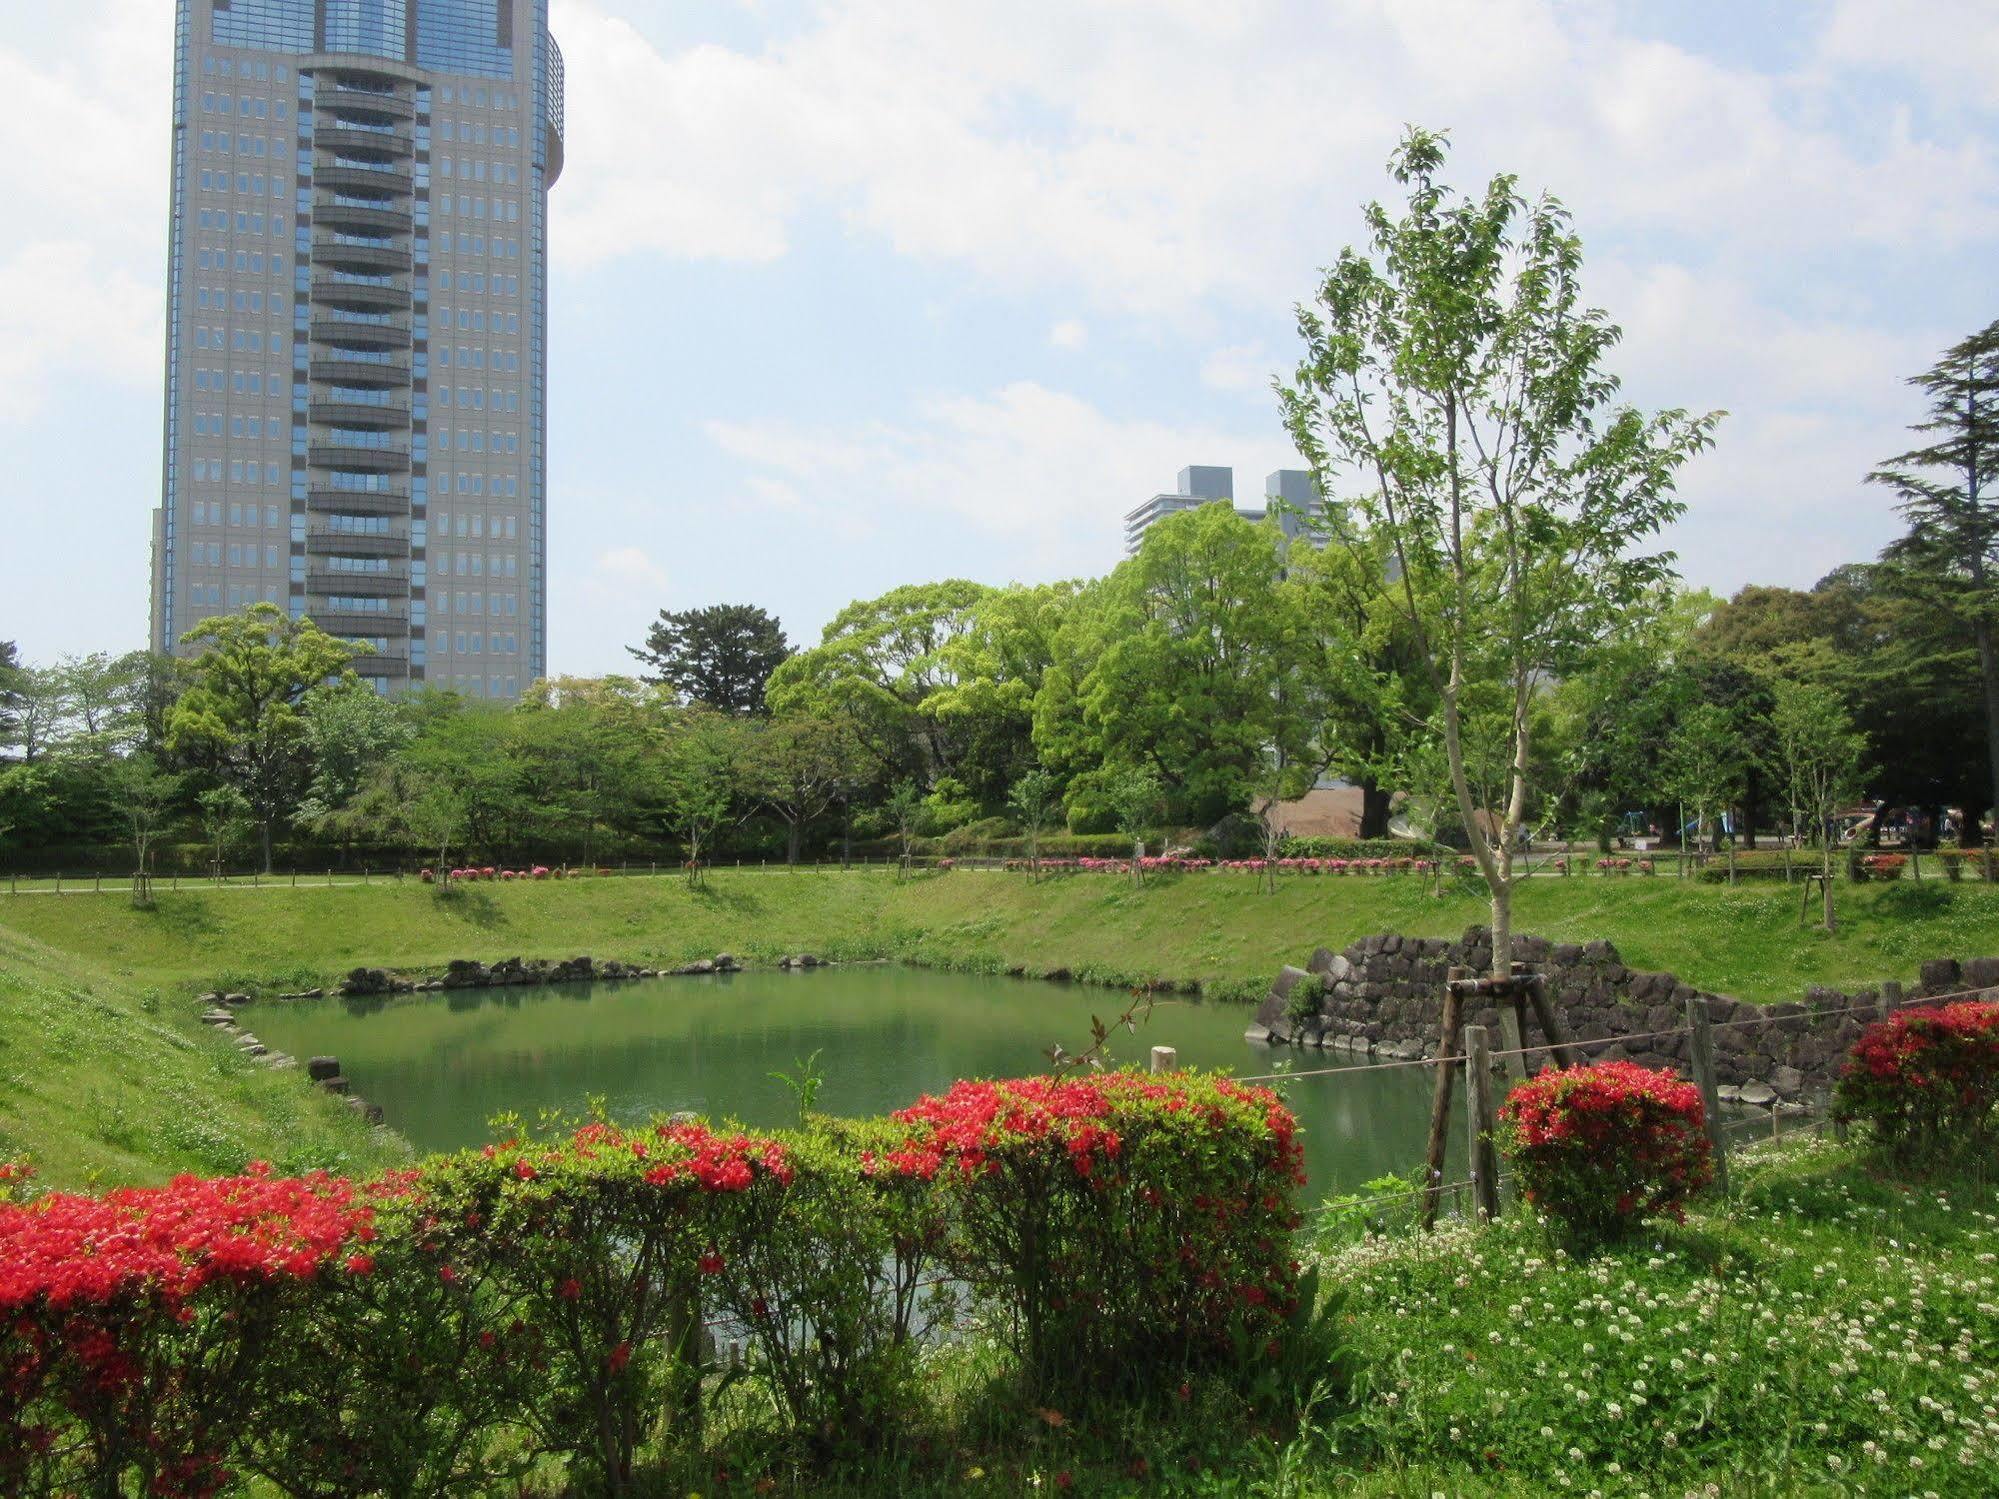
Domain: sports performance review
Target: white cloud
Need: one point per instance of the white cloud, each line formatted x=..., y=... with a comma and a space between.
x=1237, y=367
x=1069, y=334
x=631, y=568
x=1153, y=157
x=1040, y=478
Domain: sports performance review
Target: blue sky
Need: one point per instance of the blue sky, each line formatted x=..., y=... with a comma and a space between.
x=854, y=294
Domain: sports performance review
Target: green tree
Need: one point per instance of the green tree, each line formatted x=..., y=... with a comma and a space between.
x=795, y=766
x=719, y=657
x=1134, y=797
x=223, y=815
x=242, y=715
x=146, y=796
x=350, y=731
x=1033, y=800
x=905, y=814
x=100, y=698
x=10, y=691
x=1460, y=382
x=1948, y=492
x=693, y=779
x=880, y=664
x=1705, y=768
x=1818, y=758
x=1184, y=671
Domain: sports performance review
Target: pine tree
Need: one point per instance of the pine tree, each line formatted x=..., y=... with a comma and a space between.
x=1948, y=492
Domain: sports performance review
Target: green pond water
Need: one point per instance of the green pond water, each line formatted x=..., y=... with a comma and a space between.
x=442, y=1065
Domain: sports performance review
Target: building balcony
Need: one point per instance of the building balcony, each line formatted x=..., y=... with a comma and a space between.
x=359, y=624
x=331, y=368
x=326, y=541
x=393, y=664
x=331, y=291
x=333, y=252
x=388, y=417
x=372, y=145
x=391, y=333
x=328, y=212
x=383, y=182
x=322, y=579
x=348, y=460
x=324, y=499
x=363, y=104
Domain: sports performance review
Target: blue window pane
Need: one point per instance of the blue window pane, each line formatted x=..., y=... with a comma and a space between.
x=279, y=25
x=466, y=36
x=375, y=26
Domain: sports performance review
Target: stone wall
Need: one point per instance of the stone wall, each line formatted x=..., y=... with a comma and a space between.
x=1383, y=998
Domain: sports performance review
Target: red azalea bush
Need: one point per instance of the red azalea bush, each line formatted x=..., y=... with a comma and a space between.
x=1885, y=866
x=442, y=1329
x=143, y=1327
x=1081, y=1208
x=1600, y=1149
x=1926, y=1080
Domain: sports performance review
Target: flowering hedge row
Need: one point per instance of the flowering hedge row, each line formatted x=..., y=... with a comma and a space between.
x=1601, y=1148
x=1175, y=864
x=489, y=872
x=1926, y=1080
x=431, y=1330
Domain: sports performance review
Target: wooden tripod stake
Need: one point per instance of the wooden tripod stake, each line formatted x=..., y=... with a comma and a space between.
x=1521, y=989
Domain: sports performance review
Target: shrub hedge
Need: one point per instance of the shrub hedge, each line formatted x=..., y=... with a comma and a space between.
x=1926, y=1080
x=1601, y=1148
x=440, y=1329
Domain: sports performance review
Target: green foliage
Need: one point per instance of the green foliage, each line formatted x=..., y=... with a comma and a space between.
x=720, y=657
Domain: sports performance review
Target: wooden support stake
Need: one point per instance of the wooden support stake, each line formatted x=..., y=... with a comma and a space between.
x=1891, y=997
x=684, y=1338
x=1513, y=1031
x=1165, y=1059
x=1481, y=1124
x=1551, y=1024
x=1440, y=1103
x=1700, y=1054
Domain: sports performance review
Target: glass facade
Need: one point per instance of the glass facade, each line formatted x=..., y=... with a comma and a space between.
x=377, y=26
x=466, y=36
x=275, y=25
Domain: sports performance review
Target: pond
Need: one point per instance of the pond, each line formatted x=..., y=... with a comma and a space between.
x=442, y=1065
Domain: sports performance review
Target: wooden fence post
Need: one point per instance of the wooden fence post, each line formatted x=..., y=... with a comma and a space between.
x=1481, y=1124
x=1440, y=1101
x=1165, y=1059
x=1551, y=1024
x=1891, y=997
x=1700, y=1054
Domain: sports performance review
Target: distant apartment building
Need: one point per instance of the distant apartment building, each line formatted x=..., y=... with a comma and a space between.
x=357, y=334
x=1289, y=492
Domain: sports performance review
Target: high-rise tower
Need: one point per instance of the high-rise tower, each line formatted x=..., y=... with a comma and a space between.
x=356, y=332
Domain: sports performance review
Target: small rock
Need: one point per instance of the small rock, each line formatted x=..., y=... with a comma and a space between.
x=321, y=1068
x=334, y=1084
x=1760, y=1095
x=1788, y=1082
x=1729, y=1093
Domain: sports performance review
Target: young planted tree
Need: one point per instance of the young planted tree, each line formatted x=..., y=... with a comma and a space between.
x=1133, y=794
x=1453, y=389
x=1948, y=492
x=694, y=785
x=146, y=795
x=433, y=814
x=1032, y=799
x=1705, y=770
x=1818, y=763
x=223, y=815
x=905, y=810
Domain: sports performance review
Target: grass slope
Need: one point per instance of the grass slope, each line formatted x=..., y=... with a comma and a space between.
x=1218, y=929
x=103, y=1082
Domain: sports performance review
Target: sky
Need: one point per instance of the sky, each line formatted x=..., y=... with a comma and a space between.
x=861, y=293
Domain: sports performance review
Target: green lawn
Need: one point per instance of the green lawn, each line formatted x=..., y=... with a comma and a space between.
x=1218, y=929
x=104, y=1080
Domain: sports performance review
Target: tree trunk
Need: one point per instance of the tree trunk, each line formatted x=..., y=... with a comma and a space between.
x=793, y=833
x=1825, y=868
x=264, y=834
x=1373, y=810
x=1988, y=676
